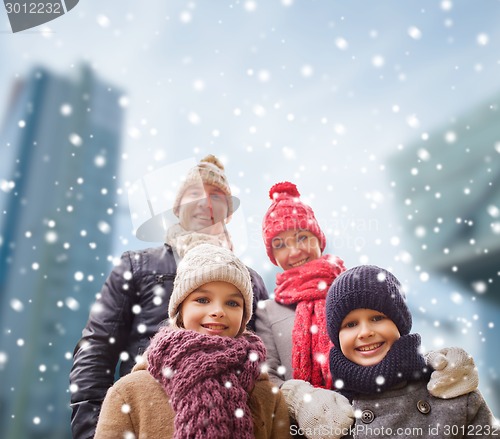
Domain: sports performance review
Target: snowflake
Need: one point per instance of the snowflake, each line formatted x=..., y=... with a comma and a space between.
x=167, y=372
x=253, y=356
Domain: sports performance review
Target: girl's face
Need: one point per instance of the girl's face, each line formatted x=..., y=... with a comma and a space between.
x=366, y=336
x=215, y=308
x=293, y=248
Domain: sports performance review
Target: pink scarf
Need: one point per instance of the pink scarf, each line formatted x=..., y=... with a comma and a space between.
x=307, y=286
x=208, y=379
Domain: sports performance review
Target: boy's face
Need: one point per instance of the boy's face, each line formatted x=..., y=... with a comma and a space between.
x=293, y=248
x=366, y=336
x=215, y=308
x=203, y=208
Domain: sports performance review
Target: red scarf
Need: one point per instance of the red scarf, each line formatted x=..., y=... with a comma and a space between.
x=307, y=286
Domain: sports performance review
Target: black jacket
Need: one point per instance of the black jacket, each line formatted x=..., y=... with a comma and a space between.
x=132, y=304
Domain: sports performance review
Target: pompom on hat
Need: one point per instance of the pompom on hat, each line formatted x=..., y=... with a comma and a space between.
x=206, y=263
x=369, y=287
x=210, y=170
x=287, y=212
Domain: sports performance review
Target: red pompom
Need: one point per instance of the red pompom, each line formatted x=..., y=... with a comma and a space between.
x=283, y=188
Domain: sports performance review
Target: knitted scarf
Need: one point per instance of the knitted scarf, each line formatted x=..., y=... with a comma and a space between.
x=402, y=363
x=307, y=286
x=208, y=379
x=182, y=240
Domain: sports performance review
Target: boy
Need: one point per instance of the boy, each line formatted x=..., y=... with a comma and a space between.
x=376, y=363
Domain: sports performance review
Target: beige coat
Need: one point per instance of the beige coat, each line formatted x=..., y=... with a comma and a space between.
x=137, y=403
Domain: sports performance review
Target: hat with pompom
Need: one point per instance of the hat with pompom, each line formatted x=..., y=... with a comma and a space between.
x=368, y=287
x=287, y=212
x=210, y=171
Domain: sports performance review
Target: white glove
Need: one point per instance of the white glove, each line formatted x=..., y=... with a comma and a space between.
x=320, y=413
x=454, y=373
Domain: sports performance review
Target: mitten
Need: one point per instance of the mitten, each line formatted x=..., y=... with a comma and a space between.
x=454, y=373
x=320, y=413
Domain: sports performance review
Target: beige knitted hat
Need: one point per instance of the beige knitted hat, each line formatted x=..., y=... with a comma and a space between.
x=209, y=171
x=209, y=263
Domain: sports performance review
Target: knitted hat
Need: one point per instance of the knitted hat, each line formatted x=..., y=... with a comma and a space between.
x=369, y=287
x=209, y=171
x=287, y=212
x=210, y=263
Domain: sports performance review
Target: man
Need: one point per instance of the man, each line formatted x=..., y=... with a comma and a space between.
x=134, y=299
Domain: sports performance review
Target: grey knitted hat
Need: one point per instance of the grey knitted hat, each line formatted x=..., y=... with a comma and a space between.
x=370, y=287
x=206, y=263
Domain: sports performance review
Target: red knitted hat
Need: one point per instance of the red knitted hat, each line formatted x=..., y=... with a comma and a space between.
x=287, y=212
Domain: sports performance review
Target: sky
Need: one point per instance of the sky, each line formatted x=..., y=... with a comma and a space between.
x=318, y=92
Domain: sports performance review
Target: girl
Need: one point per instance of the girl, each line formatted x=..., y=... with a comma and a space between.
x=201, y=377
x=293, y=325
x=381, y=369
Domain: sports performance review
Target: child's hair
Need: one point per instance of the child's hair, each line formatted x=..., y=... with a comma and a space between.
x=209, y=263
x=287, y=212
x=369, y=287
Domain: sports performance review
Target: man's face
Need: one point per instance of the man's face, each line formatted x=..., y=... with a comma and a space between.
x=203, y=208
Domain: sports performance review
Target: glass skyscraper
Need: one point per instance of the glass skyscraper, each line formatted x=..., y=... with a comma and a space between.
x=447, y=189
x=59, y=155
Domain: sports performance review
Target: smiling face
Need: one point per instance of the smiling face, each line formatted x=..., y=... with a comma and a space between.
x=366, y=336
x=203, y=208
x=215, y=308
x=293, y=248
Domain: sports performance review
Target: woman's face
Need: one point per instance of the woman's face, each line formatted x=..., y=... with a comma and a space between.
x=294, y=248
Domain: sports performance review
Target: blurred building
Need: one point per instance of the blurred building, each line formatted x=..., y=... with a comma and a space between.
x=59, y=149
x=448, y=191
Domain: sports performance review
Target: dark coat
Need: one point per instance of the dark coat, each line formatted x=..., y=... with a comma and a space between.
x=131, y=306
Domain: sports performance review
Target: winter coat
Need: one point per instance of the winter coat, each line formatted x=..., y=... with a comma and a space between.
x=133, y=303
x=411, y=411
x=274, y=325
x=137, y=403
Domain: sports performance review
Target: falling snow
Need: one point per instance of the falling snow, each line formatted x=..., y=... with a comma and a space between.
x=387, y=122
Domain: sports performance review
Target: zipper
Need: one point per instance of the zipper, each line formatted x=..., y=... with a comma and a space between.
x=161, y=278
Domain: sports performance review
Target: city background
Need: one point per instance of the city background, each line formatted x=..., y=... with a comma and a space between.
x=385, y=114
